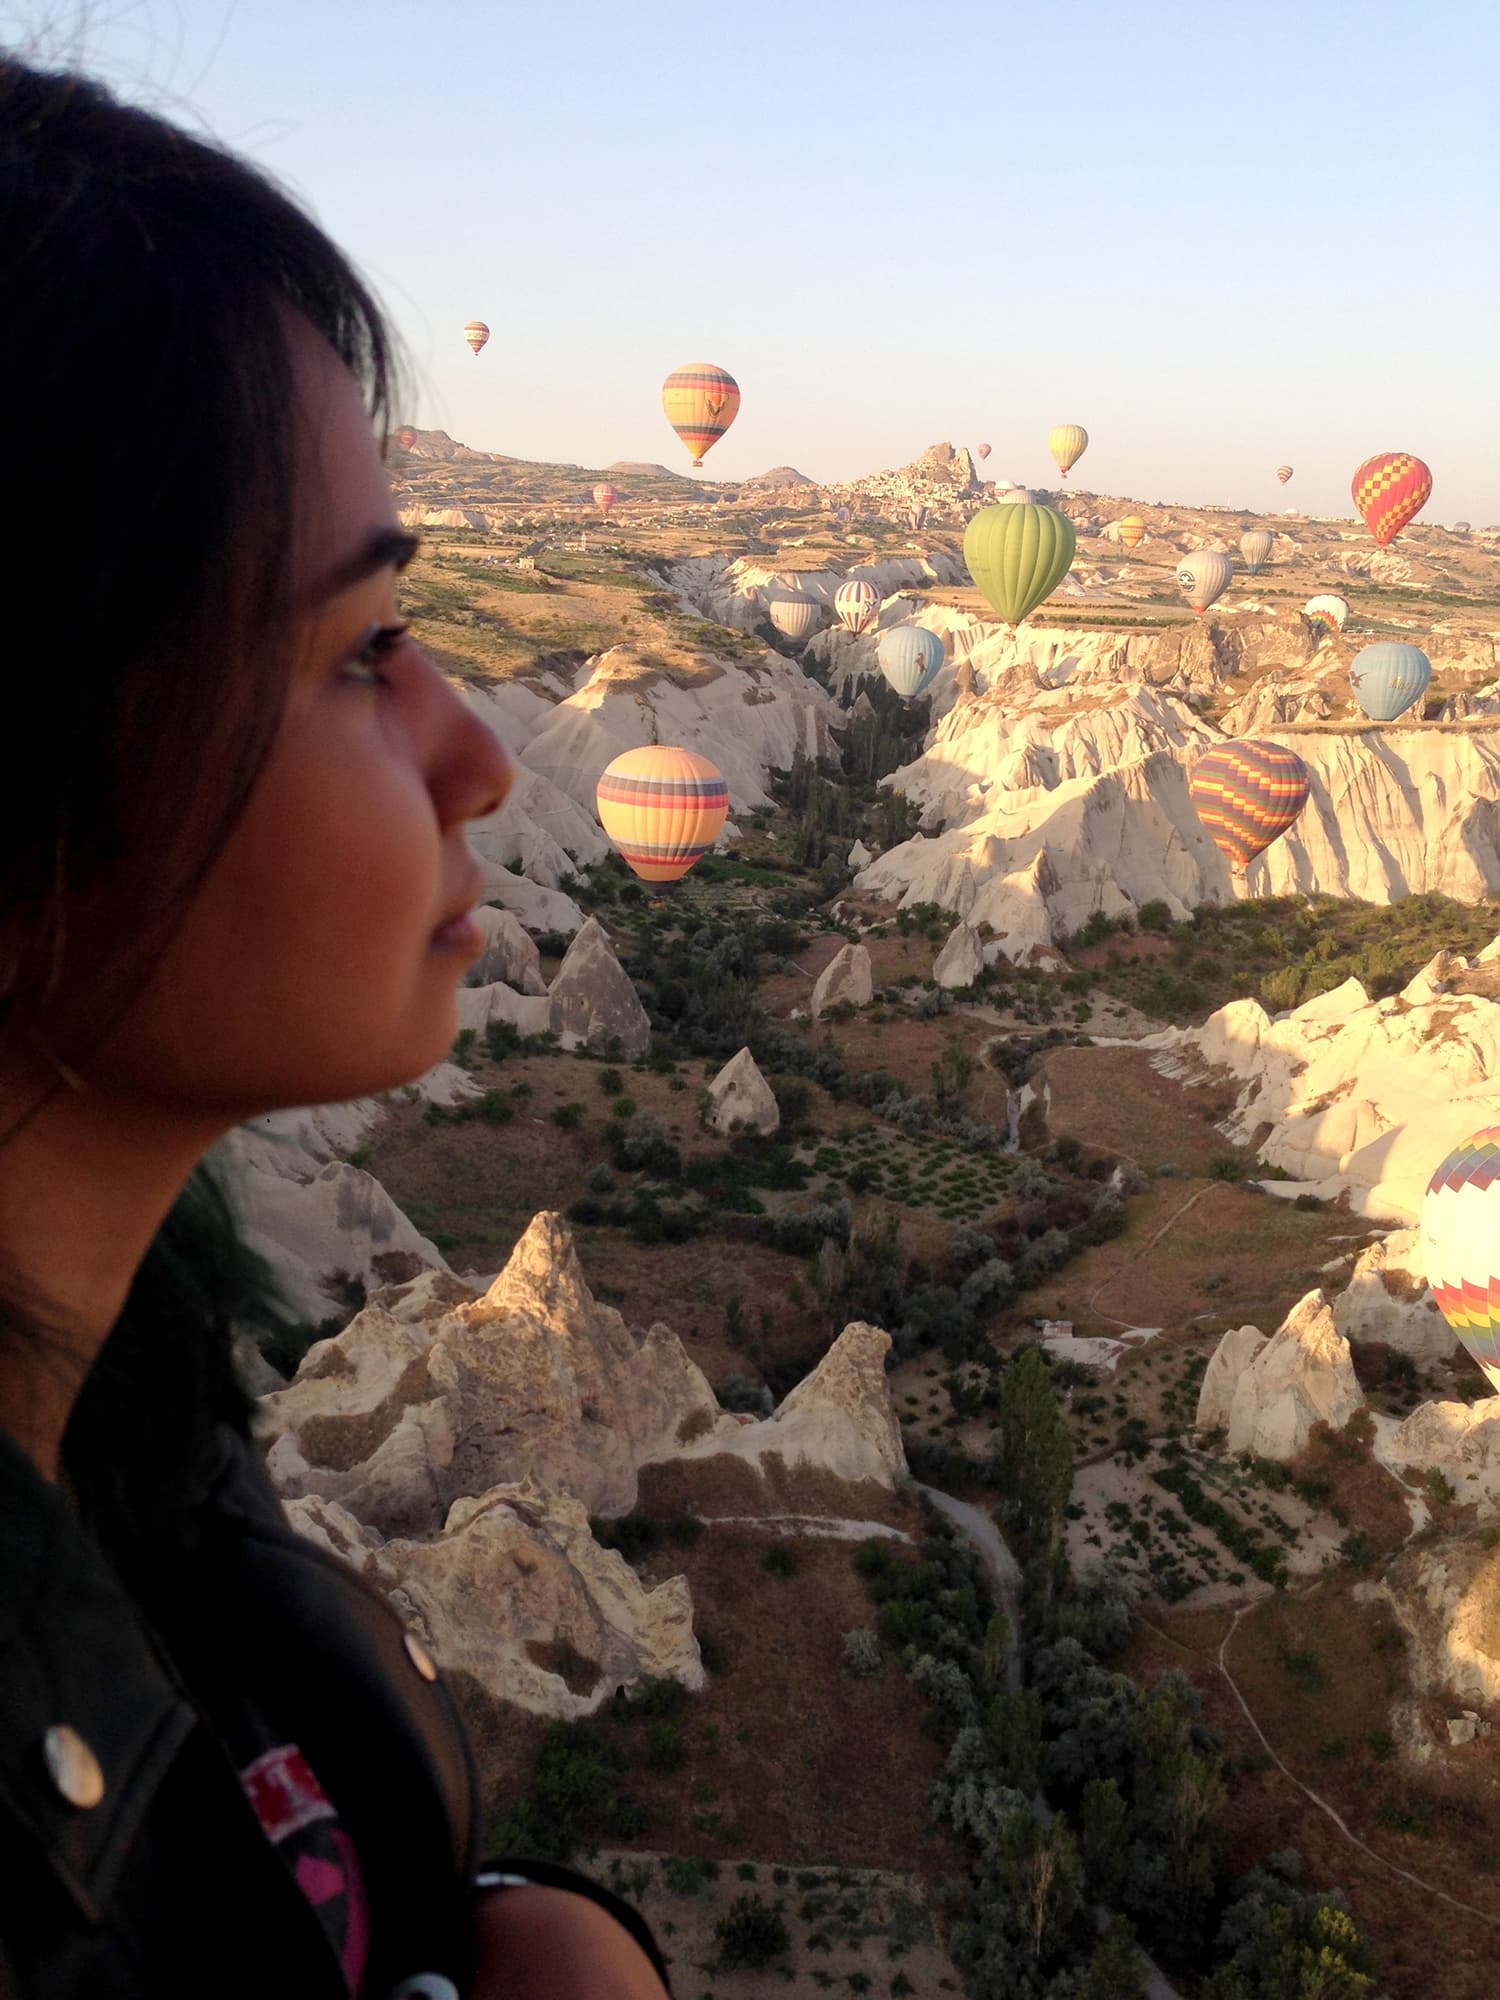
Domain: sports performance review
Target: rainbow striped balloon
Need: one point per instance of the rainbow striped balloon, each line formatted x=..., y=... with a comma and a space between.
x=1247, y=794
x=1459, y=1246
x=663, y=808
x=1388, y=490
x=701, y=402
x=856, y=603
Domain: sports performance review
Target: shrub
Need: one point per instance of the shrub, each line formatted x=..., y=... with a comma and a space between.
x=610, y=1082
x=600, y=1178
x=862, y=1652
x=779, y=1560
x=1154, y=916
x=568, y=1116
x=752, y=1934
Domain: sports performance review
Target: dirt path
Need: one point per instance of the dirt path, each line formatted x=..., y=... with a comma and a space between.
x=1176, y=1216
x=1322, y=1804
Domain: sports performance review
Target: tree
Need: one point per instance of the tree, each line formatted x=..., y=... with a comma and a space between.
x=1035, y=1451
x=1040, y=1867
x=1013, y=1730
x=752, y=1934
x=1104, y=1828
x=994, y=1658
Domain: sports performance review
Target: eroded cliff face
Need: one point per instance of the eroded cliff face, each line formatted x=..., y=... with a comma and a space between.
x=454, y=1445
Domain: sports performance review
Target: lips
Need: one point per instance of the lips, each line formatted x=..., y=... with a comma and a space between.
x=459, y=931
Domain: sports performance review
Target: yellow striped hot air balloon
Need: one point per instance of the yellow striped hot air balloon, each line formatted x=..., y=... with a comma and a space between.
x=1067, y=444
x=701, y=402
x=662, y=807
x=476, y=333
x=1132, y=531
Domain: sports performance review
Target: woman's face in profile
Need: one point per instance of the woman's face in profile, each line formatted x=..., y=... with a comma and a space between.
x=320, y=956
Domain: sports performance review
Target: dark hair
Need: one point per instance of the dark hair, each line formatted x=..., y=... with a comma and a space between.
x=151, y=449
x=148, y=520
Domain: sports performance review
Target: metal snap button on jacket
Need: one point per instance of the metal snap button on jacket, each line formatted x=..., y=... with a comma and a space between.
x=73, y=1767
x=419, y=1656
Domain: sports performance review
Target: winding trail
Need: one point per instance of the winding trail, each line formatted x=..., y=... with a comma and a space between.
x=1145, y=1251
x=1004, y=1572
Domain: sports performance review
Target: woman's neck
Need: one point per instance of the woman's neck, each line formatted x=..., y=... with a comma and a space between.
x=84, y=1186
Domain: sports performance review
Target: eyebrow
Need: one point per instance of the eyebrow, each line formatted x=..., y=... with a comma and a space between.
x=389, y=548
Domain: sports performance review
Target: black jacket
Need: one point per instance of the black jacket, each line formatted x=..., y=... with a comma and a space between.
x=167, y=1884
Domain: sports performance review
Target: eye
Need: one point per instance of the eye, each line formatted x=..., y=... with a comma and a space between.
x=375, y=648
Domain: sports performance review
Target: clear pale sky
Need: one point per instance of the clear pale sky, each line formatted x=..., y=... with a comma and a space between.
x=1220, y=237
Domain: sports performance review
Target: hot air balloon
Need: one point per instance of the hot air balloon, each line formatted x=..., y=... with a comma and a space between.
x=1458, y=1246
x=981, y=452
x=1388, y=677
x=1015, y=496
x=1247, y=794
x=605, y=497
x=1326, y=614
x=842, y=516
x=1460, y=527
x=795, y=616
x=476, y=333
x=1067, y=444
x=1283, y=473
x=1132, y=531
x=1388, y=490
x=856, y=603
x=1203, y=577
x=910, y=657
x=1255, y=546
x=1018, y=555
x=701, y=402
x=662, y=807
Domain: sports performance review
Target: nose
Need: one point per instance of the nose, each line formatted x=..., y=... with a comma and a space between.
x=471, y=771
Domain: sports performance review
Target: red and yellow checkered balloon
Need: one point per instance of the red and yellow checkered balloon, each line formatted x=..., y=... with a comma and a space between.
x=1389, y=490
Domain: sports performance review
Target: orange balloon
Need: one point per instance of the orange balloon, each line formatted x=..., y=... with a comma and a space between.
x=663, y=808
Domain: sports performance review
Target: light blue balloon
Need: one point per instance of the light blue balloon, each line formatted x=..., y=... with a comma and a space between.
x=1388, y=677
x=910, y=657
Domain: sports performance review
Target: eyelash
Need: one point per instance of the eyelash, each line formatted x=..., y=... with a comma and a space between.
x=379, y=646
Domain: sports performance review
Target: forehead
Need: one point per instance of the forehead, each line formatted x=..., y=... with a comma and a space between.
x=345, y=496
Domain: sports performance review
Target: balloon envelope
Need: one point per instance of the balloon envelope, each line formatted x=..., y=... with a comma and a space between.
x=1460, y=1248
x=701, y=402
x=1388, y=677
x=795, y=616
x=1132, y=531
x=1388, y=490
x=1247, y=794
x=1255, y=546
x=1203, y=577
x=662, y=807
x=1326, y=614
x=982, y=452
x=476, y=333
x=1018, y=555
x=605, y=498
x=1067, y=444
x=1283, y=473
x=910, y=657
x=856, y=603
x=1015, y=496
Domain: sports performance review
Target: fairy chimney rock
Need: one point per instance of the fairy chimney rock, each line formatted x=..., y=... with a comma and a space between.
x=740, y=1099
x=845, y=978
x=593, y=1001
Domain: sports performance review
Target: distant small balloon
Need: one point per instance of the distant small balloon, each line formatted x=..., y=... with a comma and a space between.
x=1256, y=546
x=1203, y=577
x=663, y=808
x=1283, y=473
x=476, y=333
x=1067, y=444
x=910, y=658
x=796, y=616
x=1460, y=527
x=982, y=452
x=1132, y=531
x=605, y=497
x=701, y=401
x=1015, y=496
x=856, y=603
x=1388, y=677
x=1326, y=614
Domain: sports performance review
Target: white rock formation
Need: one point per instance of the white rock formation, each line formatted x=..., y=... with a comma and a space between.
x=1363, y=1096
x=740, y=1099
x=513, y=1581
x=1459, y=1440
x=838, y=1420
x=859, y=857
x=961, y=959
x=1389, y=1300
x=1278, y=1389
x=845, y=978
x=510, y=955
x=592, y=1001
x=479, y=1006
x=1447, y=1601
x=397, y=1420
